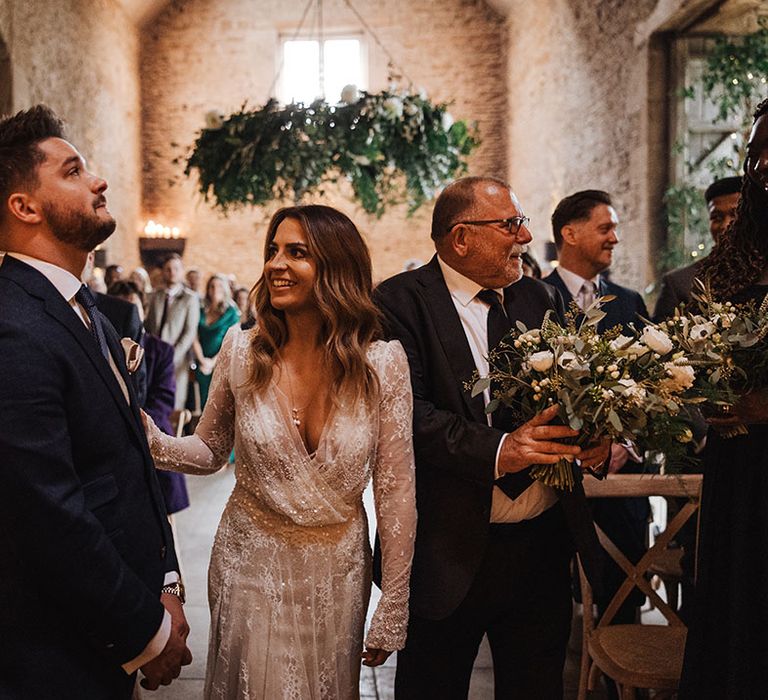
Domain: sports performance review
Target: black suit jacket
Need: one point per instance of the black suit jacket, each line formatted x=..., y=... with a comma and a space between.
x=676, y=288
x=455, y=447
x=626, y=309
x=84, y=539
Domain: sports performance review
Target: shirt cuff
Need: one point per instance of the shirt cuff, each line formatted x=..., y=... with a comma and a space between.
x=496, y=474
x=171, y=577
x=154, y=648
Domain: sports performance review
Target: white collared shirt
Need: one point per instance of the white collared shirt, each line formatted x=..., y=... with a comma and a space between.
x=573, y=282
x=473, y=314
x=68, y=285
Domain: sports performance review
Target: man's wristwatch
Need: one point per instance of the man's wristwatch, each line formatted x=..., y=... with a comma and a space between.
x=176, y=588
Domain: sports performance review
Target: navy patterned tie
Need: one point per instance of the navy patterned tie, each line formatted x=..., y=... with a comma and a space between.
x=86, y=300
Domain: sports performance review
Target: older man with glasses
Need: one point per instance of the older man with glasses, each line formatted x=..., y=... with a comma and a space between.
x=492, y=547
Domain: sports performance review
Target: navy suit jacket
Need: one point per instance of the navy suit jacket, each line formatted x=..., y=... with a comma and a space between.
x=454, y=446
x=626, y=309
x=84, y=539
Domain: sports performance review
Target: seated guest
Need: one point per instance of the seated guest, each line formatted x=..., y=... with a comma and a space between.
x=160, y=391
x=722, y=197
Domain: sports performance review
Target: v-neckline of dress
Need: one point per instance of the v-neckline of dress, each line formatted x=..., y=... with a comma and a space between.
x=293, y=428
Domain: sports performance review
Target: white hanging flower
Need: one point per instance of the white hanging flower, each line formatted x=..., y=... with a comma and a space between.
x=214, y=119
x=541, y=361
x=657, y=340
x=350, y=94
x=394, y=107
x=446, y=121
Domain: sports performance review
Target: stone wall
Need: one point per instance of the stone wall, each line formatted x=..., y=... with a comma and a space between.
x=81, y=58
x=579, y=93
x=199, y=55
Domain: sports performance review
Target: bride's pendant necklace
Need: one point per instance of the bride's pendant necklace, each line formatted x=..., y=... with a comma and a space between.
x=295, y=410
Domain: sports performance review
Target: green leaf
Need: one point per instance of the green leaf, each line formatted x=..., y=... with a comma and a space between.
x=480, y=386
x=615, y=421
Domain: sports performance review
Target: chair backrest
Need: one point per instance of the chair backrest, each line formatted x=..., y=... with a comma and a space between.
x=179, y=419
x=687, y=486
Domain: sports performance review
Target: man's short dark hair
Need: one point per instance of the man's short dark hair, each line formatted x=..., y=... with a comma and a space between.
x=20, y=156
x=456, y=201
x=576, y=207
x=723, y=186
x=125, y=288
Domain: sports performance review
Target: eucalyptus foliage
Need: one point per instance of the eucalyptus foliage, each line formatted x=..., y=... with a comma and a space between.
x=393, y=147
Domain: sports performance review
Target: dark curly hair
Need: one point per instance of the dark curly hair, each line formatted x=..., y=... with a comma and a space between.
x=741, y=254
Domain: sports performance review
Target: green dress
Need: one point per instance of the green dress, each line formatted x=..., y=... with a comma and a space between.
x=211, y=338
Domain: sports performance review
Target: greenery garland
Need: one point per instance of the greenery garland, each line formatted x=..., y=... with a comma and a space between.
x=394, y=147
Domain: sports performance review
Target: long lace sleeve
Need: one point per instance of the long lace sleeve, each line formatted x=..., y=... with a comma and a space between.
x=209, y=448
x=395, y=498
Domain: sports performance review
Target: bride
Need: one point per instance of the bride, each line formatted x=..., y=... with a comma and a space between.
x=314, y=405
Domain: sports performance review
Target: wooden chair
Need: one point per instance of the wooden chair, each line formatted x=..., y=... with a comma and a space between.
x=636, y=656
x=179, y=419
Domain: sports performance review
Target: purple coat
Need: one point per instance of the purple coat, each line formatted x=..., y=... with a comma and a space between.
x=161, y=390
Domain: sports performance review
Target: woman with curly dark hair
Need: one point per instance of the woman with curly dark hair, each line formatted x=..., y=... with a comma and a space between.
x=727, y=651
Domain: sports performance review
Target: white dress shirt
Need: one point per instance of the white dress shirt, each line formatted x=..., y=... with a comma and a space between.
x=473, y=314
x=574, y=284
x=68, y=285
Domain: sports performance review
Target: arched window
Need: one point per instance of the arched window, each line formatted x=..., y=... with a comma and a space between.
x=6, y=82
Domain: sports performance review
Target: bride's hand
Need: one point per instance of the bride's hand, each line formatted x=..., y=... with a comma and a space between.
x=375, y=657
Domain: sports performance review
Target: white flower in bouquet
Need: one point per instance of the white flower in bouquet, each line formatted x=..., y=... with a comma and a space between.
x=446, y=121
x=350, y=94
x=624, y=345
x=541, y=361
x=411, y=108
x=700, y=331
x=656, y=339
x=680, y=376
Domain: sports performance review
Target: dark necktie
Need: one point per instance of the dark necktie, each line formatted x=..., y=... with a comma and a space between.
x=498, y=326
x=166, y=304
x=86, y=300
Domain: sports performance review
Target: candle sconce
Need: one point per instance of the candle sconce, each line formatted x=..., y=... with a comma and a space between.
x=158, y=242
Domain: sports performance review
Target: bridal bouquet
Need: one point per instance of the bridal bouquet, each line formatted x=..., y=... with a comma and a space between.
x=727, y=344
x=607, y=385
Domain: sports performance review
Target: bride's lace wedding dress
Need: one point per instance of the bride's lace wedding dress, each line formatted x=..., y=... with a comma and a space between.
x=290, y=572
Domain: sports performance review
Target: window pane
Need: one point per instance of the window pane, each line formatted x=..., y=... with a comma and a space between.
x=342, y=67
x=301, y=71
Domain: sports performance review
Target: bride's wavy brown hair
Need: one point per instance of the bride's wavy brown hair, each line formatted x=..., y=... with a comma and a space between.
x=342, y=291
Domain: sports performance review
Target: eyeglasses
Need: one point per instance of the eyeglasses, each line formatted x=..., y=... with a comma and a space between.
x=513, y=224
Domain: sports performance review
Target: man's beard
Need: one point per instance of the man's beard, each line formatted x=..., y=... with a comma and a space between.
x=76, y=228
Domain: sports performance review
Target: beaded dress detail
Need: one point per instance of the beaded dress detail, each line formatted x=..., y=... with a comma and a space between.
x=290, y=572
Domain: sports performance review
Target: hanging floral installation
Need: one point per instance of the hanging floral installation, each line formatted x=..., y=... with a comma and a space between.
x=394, y=147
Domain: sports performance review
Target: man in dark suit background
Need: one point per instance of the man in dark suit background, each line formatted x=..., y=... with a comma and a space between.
x=492, y=549
x=89, y=589
x=585, y=230
x=722, y=198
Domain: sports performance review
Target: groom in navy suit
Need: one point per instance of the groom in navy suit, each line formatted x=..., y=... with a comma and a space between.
x=89, y=589
x=585, y=229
